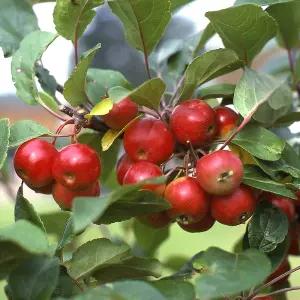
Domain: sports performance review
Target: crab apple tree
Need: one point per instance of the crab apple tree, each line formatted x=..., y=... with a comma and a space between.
x=150, y=171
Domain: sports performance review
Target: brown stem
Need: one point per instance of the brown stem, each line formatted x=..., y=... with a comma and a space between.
x=186, y=162
x=77, y=283
x=282, y=291
x=272, y=282
x=61, y=127
x=148, y=111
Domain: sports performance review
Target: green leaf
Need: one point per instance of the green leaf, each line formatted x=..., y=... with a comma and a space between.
x=102, y=293
x=175, y=289
x=245, y=29
x=25, y=130
x=100, y=109
x=261, y=94
x=260, y=2
x=100, y=81
x=132, y=205
x=135, y=289
x=47, y=101
x=288, y=119
x=267, y=228
x=297, y=69
x=129, y=268
x=17, y=20
x=67, y=236
x=55, y=222
x=4, y=138
x=47, y=82
x=71, y=18
x=65, y=285
x=144, y=22
x=206, y=35
x=289, y=163
x=75, y=87
x=148, y=238
x=123, y=202
x=286, y=16
x=206, y=67
x=24, y=210
x=118, y=93
x=96, y=254
x=19, y=241
x=35, y=279
x=23, y=64
x=108, y=158
x=216, y=91
x=243, y=271
x=178, y=3
x=148, y=94
x=255, y=178
x=260, y=142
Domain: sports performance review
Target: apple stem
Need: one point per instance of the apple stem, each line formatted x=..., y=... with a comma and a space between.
x=172, y=100
x=193, y=151
x=186, y=161
x=285, y=290
x=148, y=112
x=272, y=282
x=61, y=127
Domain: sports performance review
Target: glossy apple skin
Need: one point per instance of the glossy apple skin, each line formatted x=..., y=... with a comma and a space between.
x=156, y=220
x=33, y=162
x=121, y=114
x=123, y=165
x=144, y=170
x=284, y=267
x=265, y=298
x=294, y=234
x=149, y=140
x=64, y=197
x=220, y=172
x=204, y=225
x=193, y=122
x=189, y=202
x=285, y=204
x=227, y=121
x=233, y=209
x=77, y=166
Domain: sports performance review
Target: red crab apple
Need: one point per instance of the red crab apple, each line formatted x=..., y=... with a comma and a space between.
x=33, y=162
x=284, y=267
x=123, y=165
x=144, y=170
x=149, y=140
x=285, y=204
x=294, y=233
x=64, y=197
x=77, y=166
x=121, y=114
x=46, y=190
x=220, y=172
x=189, y=202
x=205, y=224
x=265, y=298
x=193, y=122
x=155, y=220
x=227, y=120
x=234, y=209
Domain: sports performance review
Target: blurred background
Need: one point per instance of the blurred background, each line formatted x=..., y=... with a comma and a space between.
x=116, y=54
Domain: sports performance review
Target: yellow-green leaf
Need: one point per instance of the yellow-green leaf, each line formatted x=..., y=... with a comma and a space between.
x=112, y=134
x=101, y=109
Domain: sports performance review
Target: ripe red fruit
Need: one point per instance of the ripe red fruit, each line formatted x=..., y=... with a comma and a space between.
x=265, y=298
x=294, y=233
x=124, y=164
x=220, y=172
x=121, y=114
x=64, y=197
x=144, y=170
x=189, y=202
x=156, y=220
x=284, y=267
x=33, y=162
x=286, y=204
x=46, y=190
x=149, y=140
x=77, y=166
x=193, y=122
x=227, y=120
x=205, y=224
x=234, y=209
